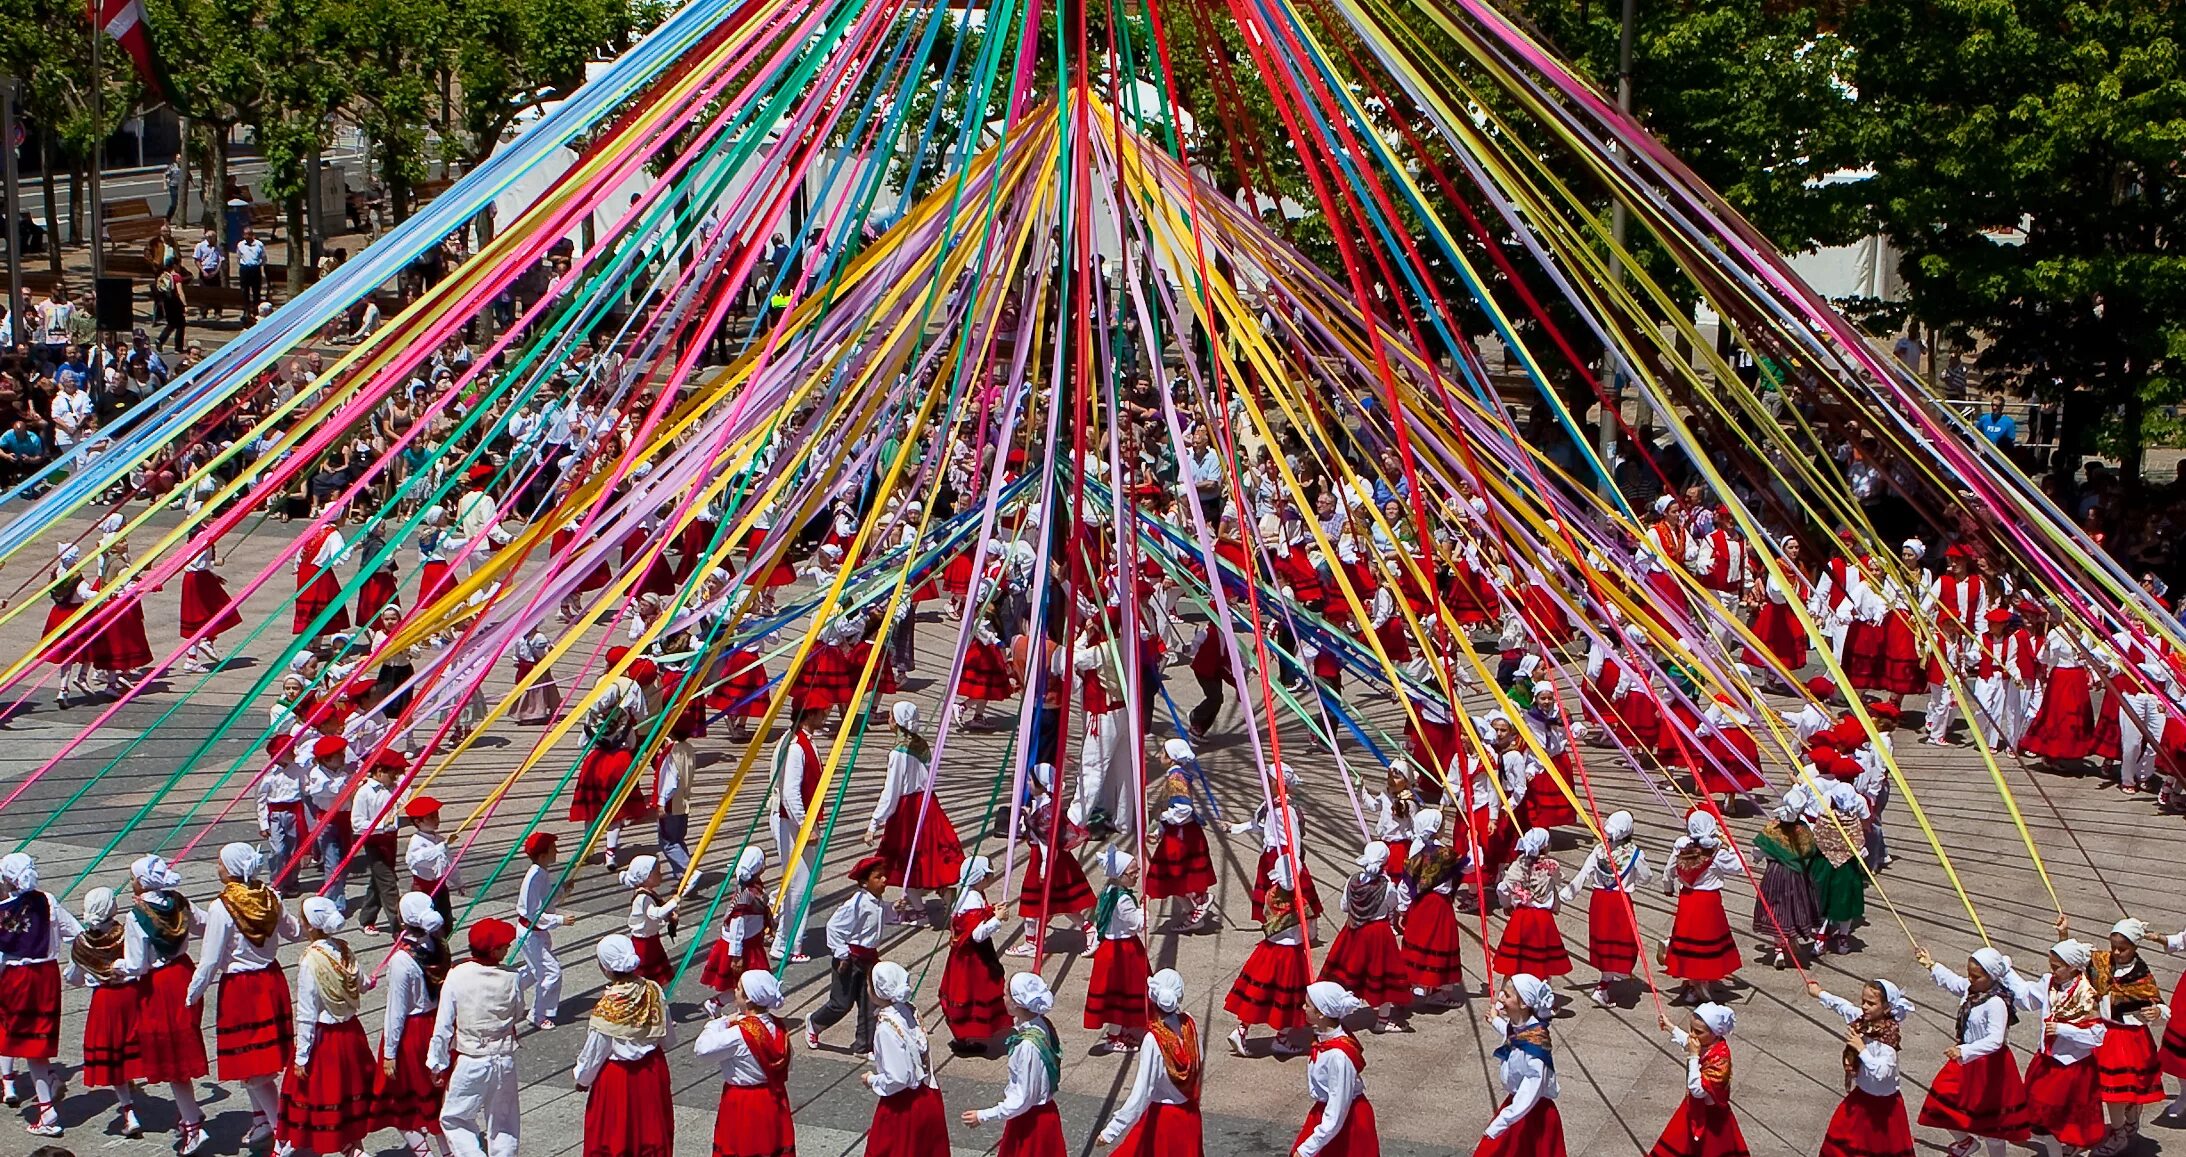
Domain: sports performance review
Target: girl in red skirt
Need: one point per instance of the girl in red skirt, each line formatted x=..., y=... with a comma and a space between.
x=32, y=929
x=1870, y=1121
x=69, y=591
x=914, y=835
x=254, y=1034
x=1042, y=895
x=2063, y=1086
x=2064, y=725
x=650, y=919
x=909, y=1121
x=1115, y=1000
x=1278, y=833
x=752, y=1049
x=987, y=676
x=1365, y=956
x=745, y=931
x=156, y=948
x=1530, y=890
x=326, y=1098
x=122, y=647
x=407, y=1097
x=1431, y=945
x=741, y=693
x=1776, y=625
x=629, y=1109
x=206, y=607
x=1978, y=1093
x=1528, y=1124
x=109, y=1029
x=1160, y=1113
x=1701, y=951
x=1270, y=989
x=1730, y=757
x=436, y=550
x=1181, y=864
x=2171, y=1055
x=1703, y=1125
x=317, y=586
x=2125, y=1062
x=971, y=979
x=1032, y=1126
x=1609, y=874
x=1341, y=1122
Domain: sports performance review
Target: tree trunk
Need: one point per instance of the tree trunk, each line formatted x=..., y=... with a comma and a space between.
x=75, y=202
x=216, y=204
x=315, y=227
x=2130, y=434
x=52, y=196
x=299, y=225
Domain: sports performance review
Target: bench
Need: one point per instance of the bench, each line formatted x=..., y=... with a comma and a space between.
x=129, y=221
x=219, y=299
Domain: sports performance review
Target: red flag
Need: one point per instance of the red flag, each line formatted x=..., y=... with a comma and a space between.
x=124, y=21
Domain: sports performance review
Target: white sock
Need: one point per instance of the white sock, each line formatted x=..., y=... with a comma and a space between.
x=186, y=1102
x=614, y=839
x=265, y=1100
x=125, y=1096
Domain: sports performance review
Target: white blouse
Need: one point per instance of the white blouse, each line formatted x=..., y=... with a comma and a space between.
x=1126, y=921
x=599, y=1048
x=907, y=774
x=2066, y=1042
x=1150, y=1085
x=1876, y=1074
x=899, y=1051
x=1028, y=1087
x=311, y=1011
x=648, y=918
x=1335, y=1083
x=1526, y=1079
x=406, y=997
x=722, y=1041
x=228, y=951
x=1988, y=1022
x=1724, y=863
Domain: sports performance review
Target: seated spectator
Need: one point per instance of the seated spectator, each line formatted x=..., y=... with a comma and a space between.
x=21, y=451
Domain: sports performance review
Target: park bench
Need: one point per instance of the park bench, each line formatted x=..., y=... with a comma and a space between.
x=130, y=222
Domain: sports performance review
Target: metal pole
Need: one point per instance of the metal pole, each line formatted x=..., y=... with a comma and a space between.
x=98, y=146
x=1612, y=361
x=17, y=315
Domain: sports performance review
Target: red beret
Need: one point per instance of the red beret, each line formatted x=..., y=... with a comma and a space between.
x=644, y=671
x=421, y=806
x=1845, y=768
x=1884, y=710
x=1956, y=551
x=1821, y=688
x=491, y=936
x=538, y=842
x=479, y=474
x=389, y=757
x=1999, y=615
x=329, y=747
x=359, y=688
x=866, y=867
x=1821, y=755
x=616, y=655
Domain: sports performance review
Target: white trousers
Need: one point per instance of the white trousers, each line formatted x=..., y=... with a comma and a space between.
x=2136, y=754
x=2002, y=709
x=479, y=1113
x=540, y=967
x=1099, y=786
x=789, y=930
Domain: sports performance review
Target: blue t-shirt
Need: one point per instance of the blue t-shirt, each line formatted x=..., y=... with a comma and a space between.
x=1998, y=427
x=22, y=443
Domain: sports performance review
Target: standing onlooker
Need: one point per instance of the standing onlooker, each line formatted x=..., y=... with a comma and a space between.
x=71, y=413
x=56, y=315
x=1909, y=348
x=170, y=300
x=250, y=266
x=1997, y=426
x=173, y=178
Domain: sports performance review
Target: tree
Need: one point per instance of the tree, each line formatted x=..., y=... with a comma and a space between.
x=223, y=48
x=388, y=53
x=2026, y=161
x=46, y=44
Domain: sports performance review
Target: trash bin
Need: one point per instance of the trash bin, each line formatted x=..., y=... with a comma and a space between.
x=238, y=216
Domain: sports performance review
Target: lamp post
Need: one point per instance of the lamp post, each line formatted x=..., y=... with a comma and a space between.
x=13, y=209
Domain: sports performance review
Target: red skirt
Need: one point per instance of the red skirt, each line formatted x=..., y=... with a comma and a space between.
x=433, y=581
x=2064, y=727
x=1532, y=943
x=742, y=692
x=123, y=645
x=956, y=575
x=1400, y=853
x=2127, y=1067
x=1432, y=949
x=1271, y=988
x=316, y=594
x=922, y=854
x=66, y=649
x=1367, y=959
x=1730, y=763
x=1117, y=992
x=1181, y=864
x=2062, y=1101
x=170, y=1042
x=1309, y=897
x=1544, y=806
x=1540, y=1133
x=1071, y=893
x=1038, y=1133
x=911, y=1123
x=1357, y=1138
x=754, y=1121
x=1866, y=1125
x=1863, y=654
x=1165, y=1131
x=255, y=1033
x=603, y=772
x=326, y=1106
x=1701, y=947
x=1780, y=635
x=2106, y=728
x=1985, y=1098
x=1700, y=1130
x=110, y=1035
x=653, y=962
x=631, y=1110
x=1612, y=941
x=409, y=1098
x=971, y=992
x=373, y=596
x=205, y=605
x=1898, y=668
x=2172, y=1058
x=723, y=971
x=30, y=1010
x=986, y=674
x=826, y=679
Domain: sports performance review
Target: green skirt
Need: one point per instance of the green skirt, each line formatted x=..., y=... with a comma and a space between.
x=1842, y=891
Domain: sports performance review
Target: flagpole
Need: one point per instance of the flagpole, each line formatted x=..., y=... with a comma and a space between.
x=98, y=146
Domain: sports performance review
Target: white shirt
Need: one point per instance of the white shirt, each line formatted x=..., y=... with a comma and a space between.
x=907, y=773
x=722, y=1041
x=1696, y=1086
x=1028, y=1086
x=228, y=951
x=1335, y=1083
x=1600, y=871
x=69, y=412
x=899, y=1051
x=63, y=926
x=971, y=900
x=406, y=997
x=1526, y=1079
x=2066, y=1042
x=1711, y=875
x=480, y=1009
x=136, y=951
x=371, y=810
x=1876, y=1074
x=311, y=1011
x=650, y=919
x=1989, y=1020
x=1150, y=1085
x=533, y=897
x=599, y=1048
x=856, y=922
x=789, y=778
x=1127, y=920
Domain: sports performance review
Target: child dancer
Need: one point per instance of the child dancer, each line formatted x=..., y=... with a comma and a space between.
x=1531, y=888
x=1870, y=1121
x=651, y=918
x=1978, y=1095
x=1271, y=987
x=1115, y=1001
x=255, y=1032
x=1365, y=956
x=1609, y=874
x=1160, y=1114
x=745, y=931
x=1341, y=1122
x=109, y=1029
x=1701, y=951
x=1703, y=1125
x=326, y=1097
x=1432, y=947
x=2126, y=1059
x=407, y=1097
x=1040, y=894
x=1527, y=1124
x=752, y=1048
x=1181, y=864
x=540, y=966
x=971, y=980
x=156, y=951
x=2063, y=1102
x=629, y=1110
x=32, y=930
x=913, y=833
x=1032, y=1126
x=909, y=1120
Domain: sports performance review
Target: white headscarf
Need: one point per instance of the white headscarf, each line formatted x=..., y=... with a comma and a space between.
x=1533, y=843
x=617, y=953
x=639, y=868
x=974, y=870
x=323, y=915
x=749, y=862
x=1115, y=862
x=1332, y=1000
x=418, y=912
x=1893, y=998
x=1043, y=774
x=1534, y=993
x=1029, y=992
x=19, y=871
x=2130, y=928
x=241, y=860
x=1916, y=548
x=761, y=989
x=1995, y=963
x=1618, y=827
x=890, y=982
x=2076, y=953
x=1719, y=1019
x=1374, y=858
x=1702, y=829
x=1425, y=823
x=1166, y=989
x=905, y=715
x=1178, y=751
